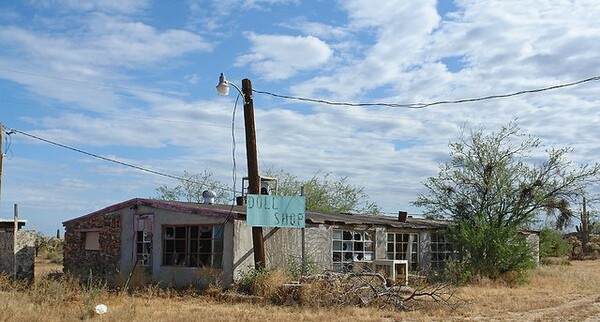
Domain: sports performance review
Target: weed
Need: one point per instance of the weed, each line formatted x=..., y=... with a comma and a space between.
x=262, y=282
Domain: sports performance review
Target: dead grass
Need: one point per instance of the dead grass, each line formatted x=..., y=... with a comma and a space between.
x=556, y=292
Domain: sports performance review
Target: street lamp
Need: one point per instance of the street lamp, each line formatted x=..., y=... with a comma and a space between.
x=251, y=157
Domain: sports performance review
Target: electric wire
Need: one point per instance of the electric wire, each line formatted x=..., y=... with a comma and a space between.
x=133, y=166
x=99, y=156
x=424, y=105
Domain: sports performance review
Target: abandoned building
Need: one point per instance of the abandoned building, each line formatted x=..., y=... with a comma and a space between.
x=173, y=239
x=17, y=249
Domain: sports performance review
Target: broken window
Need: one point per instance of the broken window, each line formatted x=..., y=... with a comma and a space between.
x=350, y=247
x=442, y=250
x=192, y=246
x=404, y=246
x=143, y=239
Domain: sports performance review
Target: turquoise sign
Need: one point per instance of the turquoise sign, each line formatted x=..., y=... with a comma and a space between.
x=275, y=211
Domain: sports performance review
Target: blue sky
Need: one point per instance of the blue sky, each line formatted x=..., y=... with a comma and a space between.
x=135, y=81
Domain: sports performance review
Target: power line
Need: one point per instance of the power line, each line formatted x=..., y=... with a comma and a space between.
x=99, y=156
x=424, y=105
x=171, y=176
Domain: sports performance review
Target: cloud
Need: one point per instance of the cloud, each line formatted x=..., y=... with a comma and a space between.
x=276, y=57
x=100, y=50
x=120, y=7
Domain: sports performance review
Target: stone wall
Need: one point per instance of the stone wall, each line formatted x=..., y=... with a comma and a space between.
x=25, y=255
x=103, y=263
x=7, y=254
x=21, y=250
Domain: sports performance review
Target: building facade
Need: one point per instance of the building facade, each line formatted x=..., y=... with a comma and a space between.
x=173, y=241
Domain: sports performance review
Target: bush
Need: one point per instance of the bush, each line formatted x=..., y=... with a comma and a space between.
x=490, y=250
x=263, y=282
x=294, y=267
x=456, y=273
x=208, y=279
x=552, y=244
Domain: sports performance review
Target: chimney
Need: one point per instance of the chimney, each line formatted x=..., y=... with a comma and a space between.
x=402, y=216
x=240, y=200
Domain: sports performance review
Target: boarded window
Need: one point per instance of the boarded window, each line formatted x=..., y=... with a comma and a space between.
x=192, y=246
x=92, y=240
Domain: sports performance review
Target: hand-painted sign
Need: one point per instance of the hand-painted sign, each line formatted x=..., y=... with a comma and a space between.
x=275, y=211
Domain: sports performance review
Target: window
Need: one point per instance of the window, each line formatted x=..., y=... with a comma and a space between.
x=350, y=247
x=442, y=250
x=143, y=239
x=192, y=246
x=92, y=240
x=143, y=248
x=404, y=246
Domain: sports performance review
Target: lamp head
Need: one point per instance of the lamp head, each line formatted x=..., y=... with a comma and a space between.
x=223, y=86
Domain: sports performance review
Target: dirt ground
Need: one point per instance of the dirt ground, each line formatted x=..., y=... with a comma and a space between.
x=555, y=293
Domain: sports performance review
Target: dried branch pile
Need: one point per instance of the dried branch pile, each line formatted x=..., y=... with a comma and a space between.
x=370, y=289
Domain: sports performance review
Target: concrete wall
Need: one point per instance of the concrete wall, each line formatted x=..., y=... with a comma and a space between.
x=283, y=246
x=172, y=275
x=17, y=254
x=319, y=246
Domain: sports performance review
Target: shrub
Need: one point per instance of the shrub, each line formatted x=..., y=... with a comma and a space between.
x=263, y=282
x=490, y=250
x=208, y=278
x=294, y=267
x=552, y=244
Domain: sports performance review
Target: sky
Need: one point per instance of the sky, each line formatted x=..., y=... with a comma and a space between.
x=134, y=81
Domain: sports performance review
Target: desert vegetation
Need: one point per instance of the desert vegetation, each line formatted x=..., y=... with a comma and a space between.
x=568, y=292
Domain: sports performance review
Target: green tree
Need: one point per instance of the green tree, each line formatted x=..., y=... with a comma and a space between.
x=326, y=193
x=191, y=186
x=586, y=221
x=552, y=243
x=496, y=184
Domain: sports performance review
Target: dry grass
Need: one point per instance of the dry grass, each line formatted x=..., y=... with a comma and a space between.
x=555, y=292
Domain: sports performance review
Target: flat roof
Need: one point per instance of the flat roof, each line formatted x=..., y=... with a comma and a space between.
x=239, y=212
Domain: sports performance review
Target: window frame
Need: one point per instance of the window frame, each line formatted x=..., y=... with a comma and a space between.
x=399, y=249
x=442, y=250
x=350, y=247
x=179, y=241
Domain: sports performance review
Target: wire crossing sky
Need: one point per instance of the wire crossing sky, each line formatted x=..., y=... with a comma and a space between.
x=344, y=88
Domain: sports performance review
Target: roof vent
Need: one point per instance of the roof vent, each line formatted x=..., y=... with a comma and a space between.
x=402, y=216
x=209, y=197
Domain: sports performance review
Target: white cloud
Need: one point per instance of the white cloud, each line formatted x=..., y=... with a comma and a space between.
x=276, y=57
x=119, y=7
x=101, y=51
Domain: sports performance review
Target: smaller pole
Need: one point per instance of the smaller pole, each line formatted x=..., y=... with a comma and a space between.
x=16, y=228
x=1, y=156
x=303, y=272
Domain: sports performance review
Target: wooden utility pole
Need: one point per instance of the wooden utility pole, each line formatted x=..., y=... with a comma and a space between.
x=258, y=242
x=1, y=156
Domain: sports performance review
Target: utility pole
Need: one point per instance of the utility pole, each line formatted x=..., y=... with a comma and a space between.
x=1, y=156
x=258, y=242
